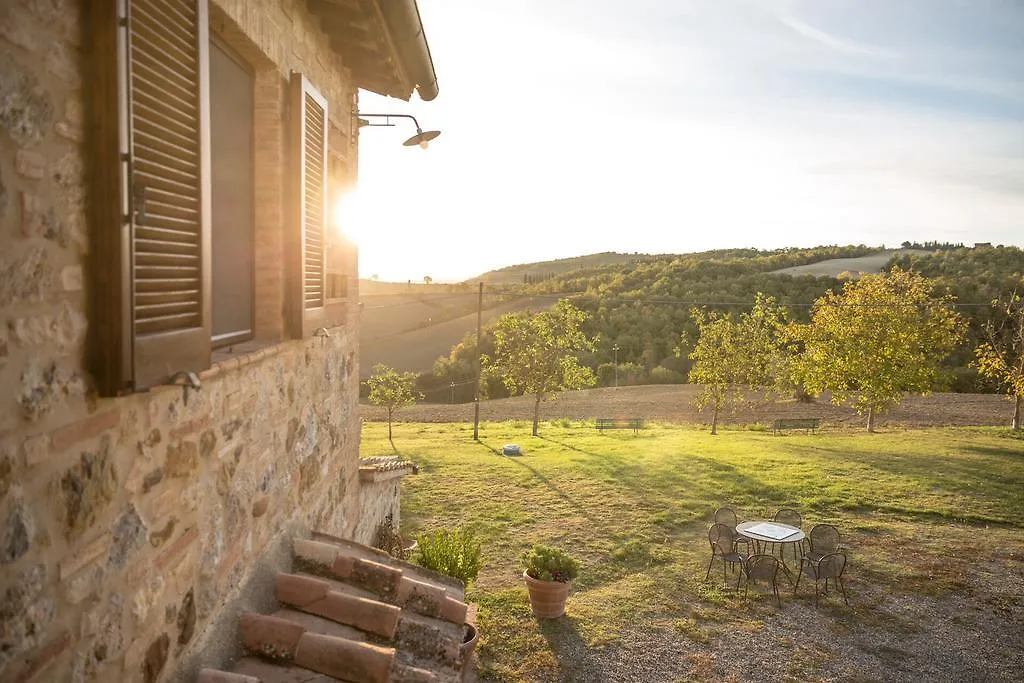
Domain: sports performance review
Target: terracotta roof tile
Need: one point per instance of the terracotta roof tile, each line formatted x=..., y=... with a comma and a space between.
x=352, y=613
x=315, y=596
x=384, y=467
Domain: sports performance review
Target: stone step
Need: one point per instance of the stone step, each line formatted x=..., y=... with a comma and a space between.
x=280, y=640
x=316, y=596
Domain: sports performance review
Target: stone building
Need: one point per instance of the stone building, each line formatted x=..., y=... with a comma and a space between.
x=178, y=318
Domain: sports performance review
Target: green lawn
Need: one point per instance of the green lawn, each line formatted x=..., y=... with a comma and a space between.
x=917, y=510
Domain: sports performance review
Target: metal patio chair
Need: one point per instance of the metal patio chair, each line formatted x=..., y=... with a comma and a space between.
x=830, y=566
x=763, y=568
x=723, y=545
x=823, y=540
x=727, y=516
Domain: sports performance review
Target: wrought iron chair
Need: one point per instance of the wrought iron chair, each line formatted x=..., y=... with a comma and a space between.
x=830, y=566
x=727, y=516
x=823, y=540
x=762, y=568
x=723, y=545
x=792, y=518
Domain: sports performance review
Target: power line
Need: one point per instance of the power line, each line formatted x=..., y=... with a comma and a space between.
x=744, y=304
x=436, y=297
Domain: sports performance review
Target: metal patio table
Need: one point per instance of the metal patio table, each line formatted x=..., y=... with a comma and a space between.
x=766, y=531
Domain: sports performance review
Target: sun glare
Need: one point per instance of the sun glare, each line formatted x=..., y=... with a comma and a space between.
x=348, y=216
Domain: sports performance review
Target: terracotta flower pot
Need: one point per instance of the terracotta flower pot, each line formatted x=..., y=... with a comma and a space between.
x=468, y=649
x=547, y=598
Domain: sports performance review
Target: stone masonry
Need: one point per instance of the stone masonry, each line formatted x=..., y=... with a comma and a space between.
x=129, y=526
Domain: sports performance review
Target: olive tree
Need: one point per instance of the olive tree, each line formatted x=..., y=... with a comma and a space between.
x=392, y=389
x=538, y=354
x=735, y=356
x=881, y=336
x=1000, y=357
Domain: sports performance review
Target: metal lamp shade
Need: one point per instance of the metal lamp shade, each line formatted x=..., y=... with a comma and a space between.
x=422, y=138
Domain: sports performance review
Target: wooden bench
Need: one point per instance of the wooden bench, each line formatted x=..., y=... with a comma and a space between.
x=809, y=424
x=634, y=423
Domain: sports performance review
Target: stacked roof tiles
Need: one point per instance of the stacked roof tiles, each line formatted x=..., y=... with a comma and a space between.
x=384, y=467
x=349, y=612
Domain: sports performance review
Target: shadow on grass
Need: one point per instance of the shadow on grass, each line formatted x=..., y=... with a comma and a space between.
x=570, y=650
x=581, y=510
x=563, y=444
x=1009, y=453
x=737, y=485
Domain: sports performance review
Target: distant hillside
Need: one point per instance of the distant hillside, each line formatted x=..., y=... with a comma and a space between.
x=644, y=309
x=410, y=335
x=540, y=270
x=857, y=266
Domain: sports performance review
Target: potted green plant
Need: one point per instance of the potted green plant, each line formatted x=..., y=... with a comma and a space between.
x=548, y=573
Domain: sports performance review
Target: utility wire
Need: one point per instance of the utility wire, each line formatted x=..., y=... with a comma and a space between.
x=746, y=304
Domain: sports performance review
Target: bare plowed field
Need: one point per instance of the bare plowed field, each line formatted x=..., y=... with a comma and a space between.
x=673, y=403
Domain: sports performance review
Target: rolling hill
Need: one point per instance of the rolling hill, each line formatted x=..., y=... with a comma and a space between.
x=857, y=266
x=409, y=332
x=518, y=274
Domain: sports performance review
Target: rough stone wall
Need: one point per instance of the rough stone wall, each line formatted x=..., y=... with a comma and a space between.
x=128, y=526
x=377, y=500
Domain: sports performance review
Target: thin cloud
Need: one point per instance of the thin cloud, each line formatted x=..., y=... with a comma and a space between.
x=845, y=45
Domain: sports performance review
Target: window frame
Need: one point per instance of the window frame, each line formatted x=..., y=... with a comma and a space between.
x=237, y=338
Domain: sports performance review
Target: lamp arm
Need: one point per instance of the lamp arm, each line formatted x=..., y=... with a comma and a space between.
x=390, y=116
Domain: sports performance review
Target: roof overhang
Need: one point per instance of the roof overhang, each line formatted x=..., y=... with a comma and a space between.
x=382, y=42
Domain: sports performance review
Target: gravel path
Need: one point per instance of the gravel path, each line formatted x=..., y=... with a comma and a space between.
x=974, y=637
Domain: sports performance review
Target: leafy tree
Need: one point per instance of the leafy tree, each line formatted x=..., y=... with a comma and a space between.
x=732, y=357
x=427, y=279
x=1000, y=357
x=392, y=389
x=881, y=336
x=538, y=354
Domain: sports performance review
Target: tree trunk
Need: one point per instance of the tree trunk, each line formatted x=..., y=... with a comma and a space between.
x=714, y=422
x=1016, y=412
x=536, y=413
x=871, y=420
x=389, y=424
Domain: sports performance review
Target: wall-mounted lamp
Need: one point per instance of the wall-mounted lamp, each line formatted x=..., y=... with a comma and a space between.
x=422, y=137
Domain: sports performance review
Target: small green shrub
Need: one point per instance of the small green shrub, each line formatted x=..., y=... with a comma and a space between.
x=550, y=564
x=454, y=553
x=663, y=375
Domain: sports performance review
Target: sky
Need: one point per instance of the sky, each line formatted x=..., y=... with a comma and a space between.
x=571, y=127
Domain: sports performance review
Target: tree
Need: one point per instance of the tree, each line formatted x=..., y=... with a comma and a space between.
x=732, y=357
x=537, y=354
x=1000, y=357
x=392, y=389
x=881, y=336
x=427, y=279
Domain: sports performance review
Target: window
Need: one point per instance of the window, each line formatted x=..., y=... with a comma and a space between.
x=172, y=216
x=232, y=123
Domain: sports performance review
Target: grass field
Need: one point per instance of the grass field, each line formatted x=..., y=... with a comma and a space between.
x=932, y=520
x=873, y=263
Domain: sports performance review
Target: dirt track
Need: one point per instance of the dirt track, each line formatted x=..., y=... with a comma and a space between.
x=673, y=403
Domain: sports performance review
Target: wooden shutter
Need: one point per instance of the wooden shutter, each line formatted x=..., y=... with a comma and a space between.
x=309, y=142
x=149, y=179
x=169, y=186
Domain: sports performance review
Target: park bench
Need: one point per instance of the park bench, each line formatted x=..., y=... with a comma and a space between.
x=810, y=424
x=634, y=423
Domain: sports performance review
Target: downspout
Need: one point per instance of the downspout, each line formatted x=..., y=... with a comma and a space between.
x=406, y=29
